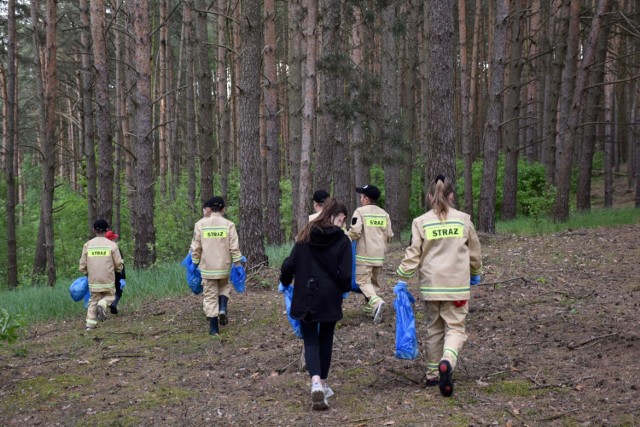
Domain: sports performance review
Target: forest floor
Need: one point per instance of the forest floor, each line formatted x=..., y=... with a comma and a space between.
x=554, y=342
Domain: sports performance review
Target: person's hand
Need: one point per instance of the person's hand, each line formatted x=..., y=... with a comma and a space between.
x=475, y=279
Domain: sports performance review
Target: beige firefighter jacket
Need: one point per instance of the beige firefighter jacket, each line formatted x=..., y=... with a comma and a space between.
x=371, y=227
x=100, y=260
x=215, y=246
x=445, y=254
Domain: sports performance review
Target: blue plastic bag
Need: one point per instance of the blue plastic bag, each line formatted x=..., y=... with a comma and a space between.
x=238, y=276
x=406, y=340
x=287, y=291
x=86, y=298
x=354, y=286
x=194, y=279
x=475, y=279
x=79, y=288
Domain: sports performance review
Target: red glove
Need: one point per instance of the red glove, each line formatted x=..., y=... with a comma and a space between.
x=460, y=303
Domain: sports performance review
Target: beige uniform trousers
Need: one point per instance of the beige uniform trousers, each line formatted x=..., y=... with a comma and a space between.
x=367, y=280
x=445, y=334
x=211, y=289
x=103, y=298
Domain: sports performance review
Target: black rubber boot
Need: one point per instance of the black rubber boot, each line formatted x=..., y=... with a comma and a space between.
x=114, y=305
x=446, y=378
x=213, y=325
x=224, y=317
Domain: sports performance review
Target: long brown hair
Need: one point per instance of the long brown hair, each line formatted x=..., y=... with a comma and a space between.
x=330, y=208
x=440, y=190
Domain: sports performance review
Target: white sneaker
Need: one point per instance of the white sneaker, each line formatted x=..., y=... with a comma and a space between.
x=328, y=392
x=377, y=317
x=318, y=399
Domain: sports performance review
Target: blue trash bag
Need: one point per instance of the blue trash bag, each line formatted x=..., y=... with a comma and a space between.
x=239, y=276
x=406, y=340
x=86, y=298
x=287, y=291
x=194, y=279
x=354, y=286
x=123, y=283
x=79, y=288
x=475, y=279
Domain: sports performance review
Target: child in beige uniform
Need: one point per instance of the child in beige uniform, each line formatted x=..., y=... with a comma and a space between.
x=100, y=260
x=214, y=248
x=445, y=251
x=371, y=228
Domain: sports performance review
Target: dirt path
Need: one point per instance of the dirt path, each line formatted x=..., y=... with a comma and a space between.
x=555, y=342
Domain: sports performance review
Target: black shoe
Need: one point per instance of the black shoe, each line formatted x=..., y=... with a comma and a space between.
x=114, y=309
x=213, y=326
x=222, y=302
x=432, y=383
x=446, y=378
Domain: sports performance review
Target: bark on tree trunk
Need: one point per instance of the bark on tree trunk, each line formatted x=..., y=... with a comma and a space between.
x=511, y=130
x=145, y=239
x=205, y=102
x=103, y=114
x=270, y=95
x=10, y=147
x=486, y=208
x=251, y=228
x=440, y=154
x=87, y=117
x=191, y=145
x=294, y=85
x=567, y=132
x=309, y=109
x=224, y=126
x=360, y=166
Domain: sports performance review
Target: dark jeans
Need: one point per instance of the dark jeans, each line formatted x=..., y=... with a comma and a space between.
x=318, y=346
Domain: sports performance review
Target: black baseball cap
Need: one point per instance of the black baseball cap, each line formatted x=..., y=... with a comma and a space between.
x=320, y=196
x=101, y=225
x=371, y=191
x=217, y=201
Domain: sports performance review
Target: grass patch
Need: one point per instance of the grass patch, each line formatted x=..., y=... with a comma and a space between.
x=39, y=303
x=277, y=254
x=592, y=219
x=45, y=391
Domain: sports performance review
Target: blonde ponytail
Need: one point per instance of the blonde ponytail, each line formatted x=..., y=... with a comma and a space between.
x=439, y=193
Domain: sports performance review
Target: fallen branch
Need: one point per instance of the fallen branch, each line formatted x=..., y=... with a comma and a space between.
x=117, y=356
x=591, y=340
x=560, y=415
x=505, y=281
x=403, y=375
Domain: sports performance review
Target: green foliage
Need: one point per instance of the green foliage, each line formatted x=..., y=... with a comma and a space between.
x=416, y=207
x=535, y=197
x=377, y=179
x=277, y=254
x=531, y=226
x=8, y=326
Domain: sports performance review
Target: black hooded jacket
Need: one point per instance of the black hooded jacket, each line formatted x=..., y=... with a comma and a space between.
x=322, y=271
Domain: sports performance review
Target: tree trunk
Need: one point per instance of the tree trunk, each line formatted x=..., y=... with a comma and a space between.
x=440, y=154
x=251, y=228
x=360, y=165
x=10, y=132
x=511, y=128
x=294, y=80
x=391, y=126
x=558, y=41
x=608, y=134
x=309, y=109
x=328, y=70
x=163, y=88
x=191, y=145
x=224, y=126
x=270, y=95
x=568, y=127
x=592, y=109
x=145, y=239
x=49, y=146
x=465, y=115
x=205, y=103
x=87, y=117
x=103, y=115
x=486, y=208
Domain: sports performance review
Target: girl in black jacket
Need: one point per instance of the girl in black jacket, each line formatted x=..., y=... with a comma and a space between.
x=320, y=261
